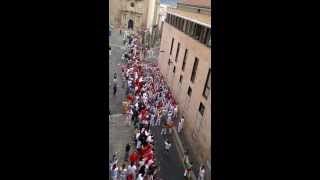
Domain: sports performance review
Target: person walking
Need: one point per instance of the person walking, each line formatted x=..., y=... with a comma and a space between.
x=180, y=125
x=126, y=156
x=167, y=146
x=201, y=173
x=114, y=89
x=189, y=169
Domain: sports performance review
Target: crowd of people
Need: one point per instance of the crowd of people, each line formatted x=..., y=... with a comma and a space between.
x=149, y=104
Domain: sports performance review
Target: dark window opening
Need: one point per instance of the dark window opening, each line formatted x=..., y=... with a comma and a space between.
x=132, y=4
x=171, y=45
x=194, y=69
x=180, y=80
x=189, y=91
x=207, y=85
x=177, y=53
x=201, y=109
x=174, y=69
x=184, y=59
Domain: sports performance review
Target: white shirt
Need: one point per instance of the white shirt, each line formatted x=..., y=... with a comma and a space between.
x=132, y=169
x=201, y=173
x=167, y=145
x=140, y=177
x=182, y=121
x=149, y=139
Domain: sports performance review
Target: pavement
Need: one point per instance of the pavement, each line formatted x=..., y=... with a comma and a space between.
x=171, y=167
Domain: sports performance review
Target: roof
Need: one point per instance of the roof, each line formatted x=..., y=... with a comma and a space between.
x=205, y=3
x=195, y=17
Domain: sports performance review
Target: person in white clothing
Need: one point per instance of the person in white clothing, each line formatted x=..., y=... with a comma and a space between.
x=132, y=170
x=167, y=145
x=180, y=125
x=140, y=177
x=201, y=173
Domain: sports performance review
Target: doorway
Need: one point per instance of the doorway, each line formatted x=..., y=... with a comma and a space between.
x=130, y=24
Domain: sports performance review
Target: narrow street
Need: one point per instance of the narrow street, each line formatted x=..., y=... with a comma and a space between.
x=120, y=133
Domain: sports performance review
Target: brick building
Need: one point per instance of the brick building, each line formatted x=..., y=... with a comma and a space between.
x=185, y=62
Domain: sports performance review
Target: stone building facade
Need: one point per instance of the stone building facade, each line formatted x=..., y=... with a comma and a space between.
x=185, y=62
x=133, y=14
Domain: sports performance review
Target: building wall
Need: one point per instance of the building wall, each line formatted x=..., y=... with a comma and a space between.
x=197, y=128
x=195, y=9
x=114, y=12
x=143, y=13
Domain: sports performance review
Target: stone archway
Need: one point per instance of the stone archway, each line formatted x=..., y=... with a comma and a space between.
x=130, y=24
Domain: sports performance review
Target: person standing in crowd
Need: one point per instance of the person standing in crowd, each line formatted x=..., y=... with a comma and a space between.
x=140, y=177
x=131, y=172
x=126, y=156
x=167, y=146
x=114, y=159
x=158, y=122
x=180, y=125
x=114, y=172
x=134, y=157
x=123, y=172
x=201, y=173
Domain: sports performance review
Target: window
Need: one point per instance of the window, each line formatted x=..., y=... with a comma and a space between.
x=208, y=39
x=207, y=86
x=194, y=69
x=168, y=18
x=184, y=59
x=201, y=109
x=177, y=53
x=171, y=45
x=180, y=80
x=198, y=10
x=174, y=69
x=169, y=62
x=184, y=25
x=132, y=4
x=187, y=27
x=197, y=31
x=189, y=91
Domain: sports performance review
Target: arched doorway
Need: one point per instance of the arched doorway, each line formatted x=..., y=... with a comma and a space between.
x=130, y=24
